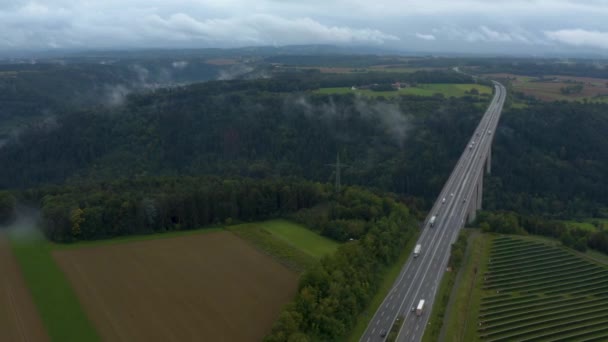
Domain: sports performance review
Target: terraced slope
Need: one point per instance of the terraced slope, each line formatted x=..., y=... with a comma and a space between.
x=537, y=292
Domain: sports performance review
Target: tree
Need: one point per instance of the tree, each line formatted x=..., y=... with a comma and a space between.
x=8, y=205
x=76, y=220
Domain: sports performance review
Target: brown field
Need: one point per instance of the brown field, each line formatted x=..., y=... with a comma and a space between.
x=19, y=319
x=202, y=287
x=549, y=89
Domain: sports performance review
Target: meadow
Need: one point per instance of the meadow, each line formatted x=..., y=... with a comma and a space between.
x=447, y=89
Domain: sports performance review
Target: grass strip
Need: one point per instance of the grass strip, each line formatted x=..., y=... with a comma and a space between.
x=59, y=308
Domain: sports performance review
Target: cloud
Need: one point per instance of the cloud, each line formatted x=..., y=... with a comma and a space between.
x=487, y=35
x=425, y=36
x=490, y=25
x=259, y=29
x=580, y=37
x=42, y=26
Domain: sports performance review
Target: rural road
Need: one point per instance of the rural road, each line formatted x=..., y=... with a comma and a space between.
x=420, y=277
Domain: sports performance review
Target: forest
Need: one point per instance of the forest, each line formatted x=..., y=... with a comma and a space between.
x=243, y=128
x=266, y=128
x=551, y=159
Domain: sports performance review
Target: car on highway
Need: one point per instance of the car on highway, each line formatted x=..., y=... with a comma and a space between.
x=443, y=200
x=489, y=131
x=382, y=333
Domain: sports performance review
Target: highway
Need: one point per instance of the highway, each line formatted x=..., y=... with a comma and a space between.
x=420, y=276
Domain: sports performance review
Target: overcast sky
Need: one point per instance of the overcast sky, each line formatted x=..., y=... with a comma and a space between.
x=477, y=26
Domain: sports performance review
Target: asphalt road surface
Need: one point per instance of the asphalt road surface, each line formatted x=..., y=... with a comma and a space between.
x=420, y=276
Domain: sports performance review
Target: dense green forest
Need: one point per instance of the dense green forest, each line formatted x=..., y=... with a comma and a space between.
x=248, y=128
x=29, y=93
x=551, y=159
x=108, y=209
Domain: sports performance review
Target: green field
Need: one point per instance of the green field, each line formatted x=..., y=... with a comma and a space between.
x=447, y=89
x=300, y=237
x=529, y=290
x=291, y=243
x=57, y=304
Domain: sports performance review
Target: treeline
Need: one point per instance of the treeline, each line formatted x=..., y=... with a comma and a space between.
x=505, y=222
x=125, y=207
x=332, y=294
x=551, y=160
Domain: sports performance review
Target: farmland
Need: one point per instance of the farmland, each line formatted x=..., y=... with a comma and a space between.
x=549, y=88
x=210, y=286
x=533, y=290
x=447, y=89
x=19, y=319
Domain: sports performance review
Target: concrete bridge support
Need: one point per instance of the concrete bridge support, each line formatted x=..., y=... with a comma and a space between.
x=489, y=161
x=477, y=198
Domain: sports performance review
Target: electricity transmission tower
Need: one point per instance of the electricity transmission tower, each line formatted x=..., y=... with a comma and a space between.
x=338, y=167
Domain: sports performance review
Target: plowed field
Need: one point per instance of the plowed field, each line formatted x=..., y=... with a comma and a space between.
x=207, y=287
x=19, y=320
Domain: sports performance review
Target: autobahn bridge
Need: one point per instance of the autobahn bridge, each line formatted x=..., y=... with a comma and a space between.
x=459, y=200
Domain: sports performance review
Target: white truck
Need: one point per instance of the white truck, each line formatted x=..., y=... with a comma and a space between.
x=417, y=250
x=432, y=220
x=420, y=307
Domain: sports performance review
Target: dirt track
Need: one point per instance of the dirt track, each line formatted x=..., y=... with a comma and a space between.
x=207, y=287
x=19, y=320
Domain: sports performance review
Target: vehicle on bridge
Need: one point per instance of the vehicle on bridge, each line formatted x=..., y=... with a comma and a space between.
x=417, y=250
x=432, y=220
x=420, y=307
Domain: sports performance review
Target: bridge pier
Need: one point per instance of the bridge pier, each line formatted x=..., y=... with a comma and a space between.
x=476, y=199
x=479, y=190
x=489, y=161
